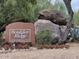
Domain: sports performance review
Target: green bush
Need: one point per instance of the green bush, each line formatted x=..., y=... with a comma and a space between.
x=44, y=37
x=21, y=9
x=1, y=39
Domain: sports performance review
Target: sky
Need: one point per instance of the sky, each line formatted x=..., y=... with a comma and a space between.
x=74, y=4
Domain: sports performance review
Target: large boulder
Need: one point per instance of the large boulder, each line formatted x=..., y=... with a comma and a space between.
x=42, y=24
x=54, y=16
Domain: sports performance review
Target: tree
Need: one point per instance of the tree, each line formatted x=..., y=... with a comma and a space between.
x=15, y=10
x=60, y=6
x=20, y=10
x=70, y=22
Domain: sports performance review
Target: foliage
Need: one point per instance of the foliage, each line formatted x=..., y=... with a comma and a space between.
x=43, y=37
x=76, y=18
x=21, y=9
x=13, y=9
x=60, y=6
x=1, y=39
x=44, y=4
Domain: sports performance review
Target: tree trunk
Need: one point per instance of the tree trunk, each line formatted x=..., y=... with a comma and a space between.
x=70, y=22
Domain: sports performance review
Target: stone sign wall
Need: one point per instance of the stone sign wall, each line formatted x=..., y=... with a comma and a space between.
x=20, y=32
x=20, y=35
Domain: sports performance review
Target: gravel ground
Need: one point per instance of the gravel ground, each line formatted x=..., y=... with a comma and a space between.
x=71, y=53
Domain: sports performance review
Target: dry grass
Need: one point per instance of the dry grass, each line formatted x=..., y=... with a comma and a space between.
x=71, y=53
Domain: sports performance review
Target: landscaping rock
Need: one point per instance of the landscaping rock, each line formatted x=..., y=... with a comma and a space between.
x=42, y=24
x=54, y=16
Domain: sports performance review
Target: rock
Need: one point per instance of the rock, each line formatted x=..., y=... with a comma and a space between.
x=54, y=16
x=62, y=30
x=42, y=24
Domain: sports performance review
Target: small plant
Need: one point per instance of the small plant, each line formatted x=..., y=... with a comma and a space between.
x=1, y=39
x=44, y=37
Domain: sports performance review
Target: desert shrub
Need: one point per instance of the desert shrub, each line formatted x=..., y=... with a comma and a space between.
x=1, y=39
x=55, y=40
x=44, y=37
